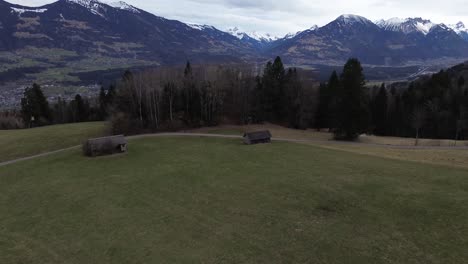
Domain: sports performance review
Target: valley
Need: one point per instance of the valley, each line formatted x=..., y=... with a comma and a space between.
x=76, y=46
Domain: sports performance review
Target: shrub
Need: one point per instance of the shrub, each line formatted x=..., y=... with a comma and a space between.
x=10, y=121
x=121, y=124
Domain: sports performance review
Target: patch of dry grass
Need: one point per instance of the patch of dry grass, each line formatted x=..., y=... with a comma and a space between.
x=398, y=141
x=276, y=131
x=372, y=145
x=447, y=157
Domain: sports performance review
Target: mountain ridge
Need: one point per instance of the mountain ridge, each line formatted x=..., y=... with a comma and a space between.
x=92, y=29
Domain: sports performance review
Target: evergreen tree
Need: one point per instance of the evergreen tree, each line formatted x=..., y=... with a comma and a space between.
x=327, y=103
x=353, y=114
x=80, y=109
x=274, y=98
x=293, y=90
x=34, y=107
x=380, y=111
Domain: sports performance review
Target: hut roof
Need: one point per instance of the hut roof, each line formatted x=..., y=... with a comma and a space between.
x=258, y=135
x=118, y=140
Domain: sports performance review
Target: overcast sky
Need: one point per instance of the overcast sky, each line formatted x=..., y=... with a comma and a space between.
x=283, y=16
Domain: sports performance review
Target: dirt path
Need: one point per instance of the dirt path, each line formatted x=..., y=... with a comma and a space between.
x=236, y=137
x=36, y=156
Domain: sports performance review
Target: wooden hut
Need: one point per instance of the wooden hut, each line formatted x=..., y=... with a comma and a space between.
x=258, y=137
x=105, y=146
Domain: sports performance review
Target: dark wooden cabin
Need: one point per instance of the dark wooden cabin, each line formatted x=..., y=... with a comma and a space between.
x=258, y=137
x=105, y=146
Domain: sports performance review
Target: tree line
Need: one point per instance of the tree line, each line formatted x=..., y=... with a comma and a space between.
x=171, y=98
x=431, y=107
x=37, y=111
x=174, y=98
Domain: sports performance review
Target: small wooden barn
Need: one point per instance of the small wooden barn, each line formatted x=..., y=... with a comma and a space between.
x=105, y=146
x=258, y=137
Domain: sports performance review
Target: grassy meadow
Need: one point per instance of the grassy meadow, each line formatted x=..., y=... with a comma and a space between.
x=27, y=142
x=206, y=200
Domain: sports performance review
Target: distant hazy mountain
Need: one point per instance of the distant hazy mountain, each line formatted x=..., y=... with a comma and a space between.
x=262, y=41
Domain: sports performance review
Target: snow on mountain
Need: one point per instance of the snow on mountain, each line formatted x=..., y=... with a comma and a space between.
x=424, y=27
x=124, y=6
x=201, y=27
x=258, y=36
x=349, y=19
x=24, y=10
x=98, y=8
x=93, y=6
x=236, y=32
x=314, y=27
x=292, y=35
x=459, y=27
x=408, y=25
x=263, y=37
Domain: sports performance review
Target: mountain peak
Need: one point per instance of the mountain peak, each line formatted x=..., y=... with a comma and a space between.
x=408, y=25
x=124, y=6
x=352, y=19
x=458, y=27
x=94, y=6
x=201, y=27
x=99, y=8
x=258, y=36
x=85, y=3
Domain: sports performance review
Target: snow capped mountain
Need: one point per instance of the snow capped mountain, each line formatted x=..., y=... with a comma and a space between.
x=235, y=31
x=262, y=37
x=408, y=25
x=103, y=27
x=90, y=4
x=349, y=19
x=124, y=6
x=201, y=27
x=312, y=29
x=460, y=29
x=99, y=8
x=94, y=6
x=293, y=35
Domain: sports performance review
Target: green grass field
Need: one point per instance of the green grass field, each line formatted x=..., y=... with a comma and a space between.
x=27, y=142
x=205, y=200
